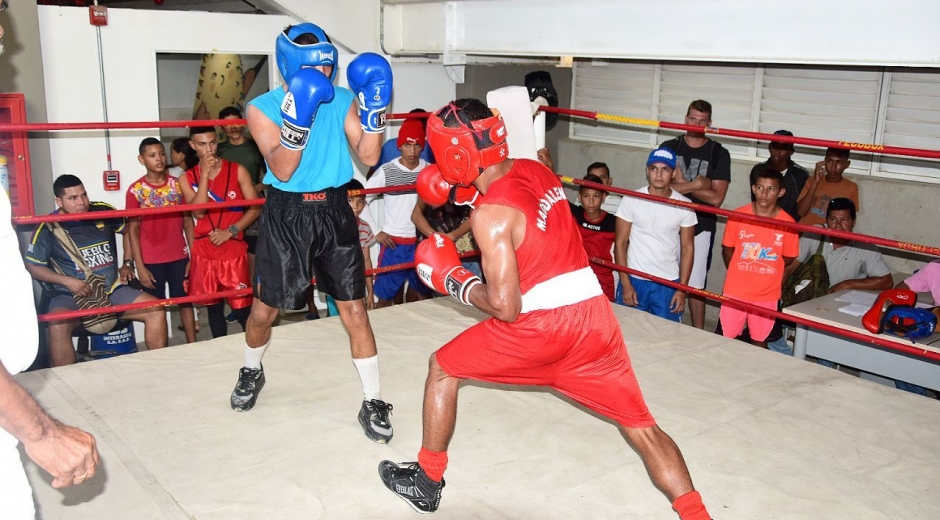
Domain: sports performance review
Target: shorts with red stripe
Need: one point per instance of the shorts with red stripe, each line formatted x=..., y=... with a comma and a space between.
x=209, y=275
x=576, y=349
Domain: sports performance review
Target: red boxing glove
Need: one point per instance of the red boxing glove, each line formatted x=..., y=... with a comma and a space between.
x=438, y=266
x=872, y=320
x=431, y=186
x=464, y=195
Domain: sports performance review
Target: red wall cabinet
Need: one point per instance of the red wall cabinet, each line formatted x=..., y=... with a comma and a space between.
x=15, y=147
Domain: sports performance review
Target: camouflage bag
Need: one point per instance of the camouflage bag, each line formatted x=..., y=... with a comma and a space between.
x=809, y=280
x=98, y=298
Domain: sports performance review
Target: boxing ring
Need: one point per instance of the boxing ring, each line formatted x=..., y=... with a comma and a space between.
x=765, y=436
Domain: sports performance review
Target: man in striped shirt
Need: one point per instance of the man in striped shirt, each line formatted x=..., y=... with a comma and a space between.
x=397, y=235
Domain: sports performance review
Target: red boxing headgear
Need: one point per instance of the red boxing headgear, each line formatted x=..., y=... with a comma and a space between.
x=463, y=153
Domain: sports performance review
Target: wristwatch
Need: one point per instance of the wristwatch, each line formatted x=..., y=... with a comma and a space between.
x=130, y=263
x=233, y=229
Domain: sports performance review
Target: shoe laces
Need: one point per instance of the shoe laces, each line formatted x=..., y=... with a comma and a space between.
x=380, y=410
x=247, y=379
x=407, y=469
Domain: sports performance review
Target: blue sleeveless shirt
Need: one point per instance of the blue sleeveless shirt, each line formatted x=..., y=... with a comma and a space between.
x=325, y=162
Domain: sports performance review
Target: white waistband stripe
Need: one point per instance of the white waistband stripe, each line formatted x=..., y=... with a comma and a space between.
x=564, y=289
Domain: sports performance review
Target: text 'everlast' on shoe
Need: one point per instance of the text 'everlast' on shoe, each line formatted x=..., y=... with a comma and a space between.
x=249, y=385
x=373, y=416
x=408, y=481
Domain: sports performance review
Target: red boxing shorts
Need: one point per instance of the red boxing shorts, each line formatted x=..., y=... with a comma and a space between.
x=576, y=349
x=209, y=275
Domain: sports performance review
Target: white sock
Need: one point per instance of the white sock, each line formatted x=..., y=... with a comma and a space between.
x=369, y=375
x=253, y=355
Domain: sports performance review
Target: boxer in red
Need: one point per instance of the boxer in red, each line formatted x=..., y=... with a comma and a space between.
x=551, y=324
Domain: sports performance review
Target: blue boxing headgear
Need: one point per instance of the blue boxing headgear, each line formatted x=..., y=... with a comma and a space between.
x=292, y=56
x=909, y=322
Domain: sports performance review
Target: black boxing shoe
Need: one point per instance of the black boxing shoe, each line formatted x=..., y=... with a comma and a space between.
x=249, y=385
x=373, y=417
x=408, y=481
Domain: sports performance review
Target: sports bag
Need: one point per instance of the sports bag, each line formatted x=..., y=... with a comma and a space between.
x=809, y=280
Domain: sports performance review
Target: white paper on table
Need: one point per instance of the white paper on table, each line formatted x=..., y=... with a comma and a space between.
x=858, y=297
x=855, y=309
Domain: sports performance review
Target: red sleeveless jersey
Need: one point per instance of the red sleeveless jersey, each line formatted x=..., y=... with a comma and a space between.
x=552, y=244
x=224, y=187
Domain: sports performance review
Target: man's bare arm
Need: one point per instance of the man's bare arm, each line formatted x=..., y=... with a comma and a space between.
x=497, y=230
x=67, y=453
x=714, y=195
x=727, y=253
x=621, y=243
x=686, y=253
x=872, y=283
x=282, y=161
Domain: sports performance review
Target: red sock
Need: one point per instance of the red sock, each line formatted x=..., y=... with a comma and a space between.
x=690, y=507
x=433, y=463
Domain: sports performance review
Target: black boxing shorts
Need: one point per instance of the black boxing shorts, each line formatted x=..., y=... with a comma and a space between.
x=300, y=230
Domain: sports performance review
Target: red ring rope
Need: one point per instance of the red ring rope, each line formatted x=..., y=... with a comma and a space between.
x=122, y=213
x=824, y=143
x=897, y=244
x=65, y=315
x=32, y=127
x=770, y=313
x=144, y=125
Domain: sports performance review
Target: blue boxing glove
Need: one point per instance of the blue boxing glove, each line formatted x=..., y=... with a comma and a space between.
x=308, y=88
x=370, y=77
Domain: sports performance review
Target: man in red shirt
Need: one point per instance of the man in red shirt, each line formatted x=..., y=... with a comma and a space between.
x=219, y=254
x=551, y=324
x=160, y=244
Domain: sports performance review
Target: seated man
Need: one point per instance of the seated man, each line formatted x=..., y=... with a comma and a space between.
x=850, y=264
x=95, y=240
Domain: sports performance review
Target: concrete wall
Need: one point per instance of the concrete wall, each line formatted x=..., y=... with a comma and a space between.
x=20, y=71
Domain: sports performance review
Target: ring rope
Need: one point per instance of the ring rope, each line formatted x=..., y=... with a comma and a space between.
x=896, y=244
x=823, y=143
x=233, y=293
x=750, y=307
x=881, y=149
x=180, y=208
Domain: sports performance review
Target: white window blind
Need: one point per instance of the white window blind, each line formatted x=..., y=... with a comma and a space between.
x=841, y=105
x=619, y=88
x=912, y=120
x=861, y=105
x=729, y=89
